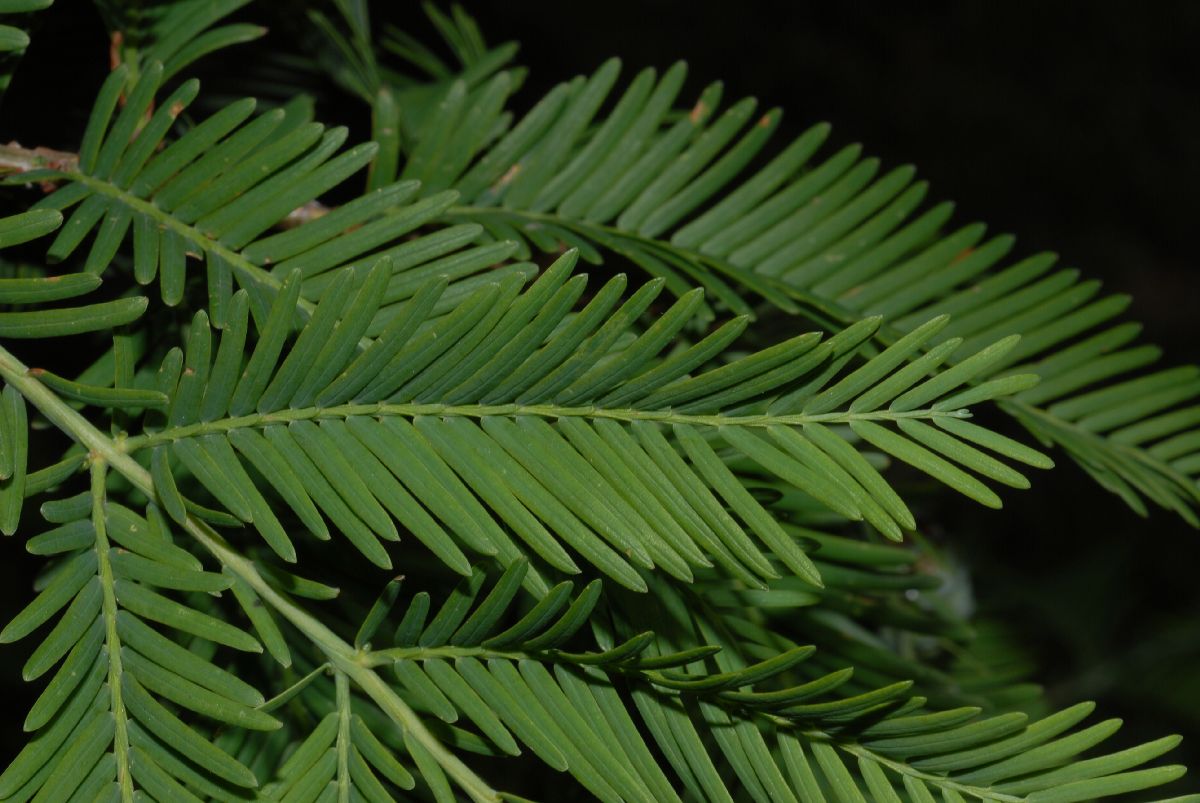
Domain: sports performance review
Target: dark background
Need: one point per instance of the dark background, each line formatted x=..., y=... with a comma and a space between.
x=1070, y=124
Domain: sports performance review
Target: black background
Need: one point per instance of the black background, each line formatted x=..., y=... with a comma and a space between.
x=1071, y=124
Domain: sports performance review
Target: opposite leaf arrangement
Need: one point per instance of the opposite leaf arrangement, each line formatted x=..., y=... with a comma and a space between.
x=653, y=530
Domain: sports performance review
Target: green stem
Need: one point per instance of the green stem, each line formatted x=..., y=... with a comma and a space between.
x=383, y=409
x=342, y=685
x=99, y=472
x=900, y=768
x=391, y=655
x=827, y=313
x=342, y=656
x=247, y=270
x=610, y=236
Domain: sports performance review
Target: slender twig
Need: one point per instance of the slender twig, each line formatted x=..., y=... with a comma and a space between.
x=342, y=686
x=590, y=411
x=16, y=159
x=112, y=642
